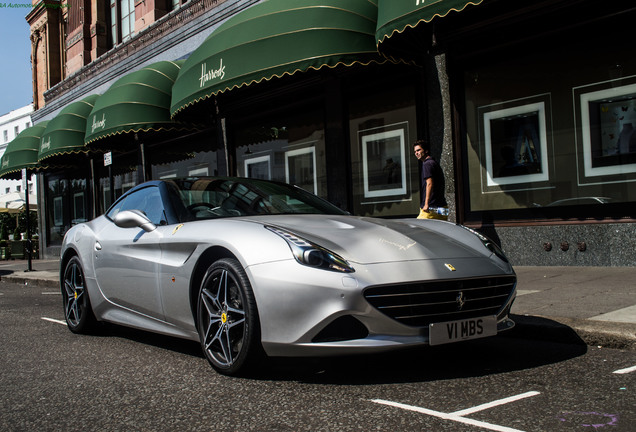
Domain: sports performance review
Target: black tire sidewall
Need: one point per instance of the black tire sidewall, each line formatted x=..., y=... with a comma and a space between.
x=87, y=319
x=250, y=349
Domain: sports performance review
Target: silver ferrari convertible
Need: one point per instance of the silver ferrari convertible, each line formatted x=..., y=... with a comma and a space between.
x=252, y=268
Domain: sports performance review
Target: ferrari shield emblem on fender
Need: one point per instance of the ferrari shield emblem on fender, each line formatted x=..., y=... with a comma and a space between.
x=450, y=267
x=177, y=228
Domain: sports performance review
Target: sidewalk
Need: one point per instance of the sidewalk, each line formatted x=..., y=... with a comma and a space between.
x=595, y=305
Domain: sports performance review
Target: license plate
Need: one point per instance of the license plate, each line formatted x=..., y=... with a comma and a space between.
x=455, y=331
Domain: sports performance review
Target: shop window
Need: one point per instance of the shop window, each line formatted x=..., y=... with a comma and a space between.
x=185, y=156
x=121, y=183
x=202, y=163
x=300, y=168
x=289, y=148
x=547, y=130
x=198, y=171
x=66, y=201
x=79, y=207
x=384, y=171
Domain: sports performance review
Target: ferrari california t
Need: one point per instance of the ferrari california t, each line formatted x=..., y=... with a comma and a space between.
x=253, y=268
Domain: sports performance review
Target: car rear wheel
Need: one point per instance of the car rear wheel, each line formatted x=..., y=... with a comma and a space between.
x=227, y=318
x=77, y=306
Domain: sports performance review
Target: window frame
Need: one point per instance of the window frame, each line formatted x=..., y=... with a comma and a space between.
x=116, y=21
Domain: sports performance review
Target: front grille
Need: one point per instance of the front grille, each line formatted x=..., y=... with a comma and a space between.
x=422, y=303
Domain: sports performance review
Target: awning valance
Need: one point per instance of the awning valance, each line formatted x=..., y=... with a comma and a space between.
x=64, y=134
x=22, y=152
x=137, y=103
x=276, y=38
x=397, y=16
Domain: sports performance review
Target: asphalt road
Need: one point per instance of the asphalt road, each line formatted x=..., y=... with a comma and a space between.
x=122, y=379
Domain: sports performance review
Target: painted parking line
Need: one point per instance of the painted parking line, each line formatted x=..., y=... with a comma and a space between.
x=626, y=370
x=495, y=403
x=526, y=292
x=52, y=293
x=625, y=315
x=458, y=416
x=54, y=320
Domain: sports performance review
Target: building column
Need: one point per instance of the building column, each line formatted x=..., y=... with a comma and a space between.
x=440, y=124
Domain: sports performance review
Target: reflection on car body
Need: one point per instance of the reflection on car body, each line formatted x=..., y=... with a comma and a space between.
x=252, y=268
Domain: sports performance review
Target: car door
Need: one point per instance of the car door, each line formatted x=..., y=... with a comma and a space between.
x=127, y=260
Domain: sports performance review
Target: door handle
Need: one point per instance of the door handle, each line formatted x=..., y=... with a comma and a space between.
x=98, y=246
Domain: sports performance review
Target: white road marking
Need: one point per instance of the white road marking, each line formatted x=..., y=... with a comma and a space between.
x=524, y=292
x=52, y=293
x=458, y=415
x=54, y=320
x=626, y=315
x=495, y=403
x=626, y=370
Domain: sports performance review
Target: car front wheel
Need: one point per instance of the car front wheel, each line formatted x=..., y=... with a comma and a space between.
x=227, y=318
x=77, y=306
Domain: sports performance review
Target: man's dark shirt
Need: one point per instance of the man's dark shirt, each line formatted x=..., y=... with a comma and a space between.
x=430, y=168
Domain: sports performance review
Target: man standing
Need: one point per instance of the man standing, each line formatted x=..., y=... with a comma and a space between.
x=433, y=204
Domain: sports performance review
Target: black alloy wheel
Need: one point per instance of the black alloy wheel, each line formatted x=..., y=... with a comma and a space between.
x=77, y=306
x=227, y=318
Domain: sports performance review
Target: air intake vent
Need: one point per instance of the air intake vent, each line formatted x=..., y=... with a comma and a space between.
x=342, y=329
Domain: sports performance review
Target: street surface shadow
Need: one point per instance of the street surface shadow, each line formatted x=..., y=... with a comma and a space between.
x=540, y=328
x=469, y=359
x=183, y=346
x=522, y=348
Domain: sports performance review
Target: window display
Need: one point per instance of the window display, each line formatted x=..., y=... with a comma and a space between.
x=384, y=162
x=384, y=171
x=516, y=144
x=608, y=122
x=538, y=140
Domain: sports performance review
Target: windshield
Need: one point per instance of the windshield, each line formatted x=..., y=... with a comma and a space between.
x=209, y=198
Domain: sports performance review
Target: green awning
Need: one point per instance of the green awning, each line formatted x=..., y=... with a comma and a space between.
x=396, y=16
x=22, y=152
x=137, y=103
x=64, y=134
x=275, y=38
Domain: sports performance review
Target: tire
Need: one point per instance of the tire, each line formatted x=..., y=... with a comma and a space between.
x=227, y=319
x=77, y=306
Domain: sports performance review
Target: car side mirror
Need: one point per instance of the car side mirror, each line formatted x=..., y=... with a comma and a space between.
x=133, y=219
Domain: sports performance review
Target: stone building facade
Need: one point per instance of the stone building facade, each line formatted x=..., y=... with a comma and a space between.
x=481, y=79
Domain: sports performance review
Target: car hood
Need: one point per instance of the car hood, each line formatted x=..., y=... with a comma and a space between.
x=370, y=240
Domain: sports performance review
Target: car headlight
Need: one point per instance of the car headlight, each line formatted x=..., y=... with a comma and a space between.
x=489, y=244
x=312, y=255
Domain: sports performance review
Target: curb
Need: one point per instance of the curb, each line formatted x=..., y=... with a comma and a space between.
x=16, y=278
